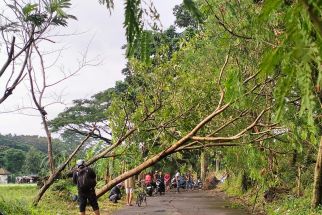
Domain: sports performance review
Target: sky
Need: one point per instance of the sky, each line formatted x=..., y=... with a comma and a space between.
x=98, y=32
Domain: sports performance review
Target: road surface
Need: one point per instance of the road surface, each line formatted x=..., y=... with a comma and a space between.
x=184, y=203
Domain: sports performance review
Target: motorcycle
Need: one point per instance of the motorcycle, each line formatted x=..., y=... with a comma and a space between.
x=149, y=189
x=160, y=186
x=197, y=184
x=182, y=183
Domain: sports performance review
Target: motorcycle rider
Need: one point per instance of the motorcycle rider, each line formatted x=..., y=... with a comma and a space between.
x=148, y=184
x=160, y=183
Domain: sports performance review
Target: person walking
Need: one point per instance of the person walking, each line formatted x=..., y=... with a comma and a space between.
x=129, y=186
x=85, y=179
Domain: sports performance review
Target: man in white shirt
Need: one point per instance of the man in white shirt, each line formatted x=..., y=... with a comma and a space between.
x=177, y=177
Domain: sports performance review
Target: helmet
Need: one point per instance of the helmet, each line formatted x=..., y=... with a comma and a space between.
x=80, y=163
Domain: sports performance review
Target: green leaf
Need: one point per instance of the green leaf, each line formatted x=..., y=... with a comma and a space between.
x=191, y=6
x=132, y=23
x=26, y=10
x=269, y=6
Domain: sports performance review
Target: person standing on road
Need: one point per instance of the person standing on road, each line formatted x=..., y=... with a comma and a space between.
x=85, y=178
x=167, y=179
x=189, y=181
x=177, y=177
x=129, y=186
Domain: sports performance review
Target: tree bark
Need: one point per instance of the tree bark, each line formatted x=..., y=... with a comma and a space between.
x=203, y=164
x=317, y=186
x=217, y=165
x=51, y=162
x=299, y=178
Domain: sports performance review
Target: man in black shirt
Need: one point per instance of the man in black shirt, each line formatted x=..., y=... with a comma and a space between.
x=85, y=178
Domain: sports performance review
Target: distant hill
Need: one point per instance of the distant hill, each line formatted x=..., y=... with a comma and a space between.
x=26, y=154
x=23, y=142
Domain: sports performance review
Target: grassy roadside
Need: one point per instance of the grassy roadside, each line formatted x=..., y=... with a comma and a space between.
x=283, y=203
x=17, y=199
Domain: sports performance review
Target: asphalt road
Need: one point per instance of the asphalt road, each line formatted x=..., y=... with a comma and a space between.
x=184, y=203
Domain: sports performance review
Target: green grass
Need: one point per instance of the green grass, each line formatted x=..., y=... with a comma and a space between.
x=17, y=199
x=290, y=204
x=284, y=204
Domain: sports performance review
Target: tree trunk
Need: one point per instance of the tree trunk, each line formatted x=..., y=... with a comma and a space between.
x=151, y=161
x=299, y=175
x=51, y=163
x=217, y=165
x=107, y=172
x=317, y=186
x=203, y=166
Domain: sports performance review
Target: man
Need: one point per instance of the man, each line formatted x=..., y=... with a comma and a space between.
x=148, y=179
x=115, y=193
x=129, y=185
x=85, y=178
x=177, y=178
x=189, y=181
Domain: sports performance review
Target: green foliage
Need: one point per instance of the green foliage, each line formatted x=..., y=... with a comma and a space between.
x=83, y=112
x=191, y=6
x=45, y=13
x=274, y=61
x=14, y=160
x=23, y=142
x=23, y=154
x=289, y=204
x=233, y=186
x=33, y=161
x=29, y=8
x=184, y=18
x=132, y=23
x=17, y=199
x=63, y=185
x=14, y=207
x=296, y=55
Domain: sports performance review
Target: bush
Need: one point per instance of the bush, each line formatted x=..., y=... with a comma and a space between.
x=14, y=207
x=62, y=185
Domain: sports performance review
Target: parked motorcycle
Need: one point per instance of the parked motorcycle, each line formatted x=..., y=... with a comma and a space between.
x=149, y=189
x=182, y=183
x=197, y=184
x=160, y=186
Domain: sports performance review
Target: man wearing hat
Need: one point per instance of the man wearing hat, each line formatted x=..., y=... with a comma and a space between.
x=85, y=178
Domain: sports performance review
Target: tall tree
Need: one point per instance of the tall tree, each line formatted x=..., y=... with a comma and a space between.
x=14, y=160
x=24, y=24
x=33, y=161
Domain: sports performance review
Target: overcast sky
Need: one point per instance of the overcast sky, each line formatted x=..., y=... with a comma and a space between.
x=104, y=34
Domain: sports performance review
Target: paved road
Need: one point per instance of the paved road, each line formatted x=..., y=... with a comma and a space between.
x=184, y=203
